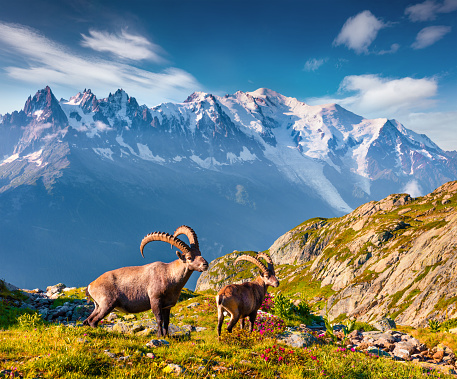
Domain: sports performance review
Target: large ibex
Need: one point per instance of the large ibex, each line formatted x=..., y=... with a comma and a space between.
x=243, y=300
x=154, y=286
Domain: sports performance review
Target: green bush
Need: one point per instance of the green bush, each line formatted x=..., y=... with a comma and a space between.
x=284, y=308
x=435, y=325
x=29, y=320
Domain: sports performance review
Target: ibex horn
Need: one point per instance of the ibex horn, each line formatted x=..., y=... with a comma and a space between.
x=165, y=237
x=251, y=259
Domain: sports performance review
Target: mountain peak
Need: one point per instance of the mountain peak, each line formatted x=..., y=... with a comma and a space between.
x=44, y=107
x=197, y=96
x=265, y=92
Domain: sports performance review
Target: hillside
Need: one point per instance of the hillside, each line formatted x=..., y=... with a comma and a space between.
x=392, y=257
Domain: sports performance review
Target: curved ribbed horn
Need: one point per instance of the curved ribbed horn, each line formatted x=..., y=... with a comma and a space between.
x=189, y=233
x=252, y=260
x=165, y=237
x=268, y=259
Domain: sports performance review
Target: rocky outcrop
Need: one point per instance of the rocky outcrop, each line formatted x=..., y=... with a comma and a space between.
x=396, y=257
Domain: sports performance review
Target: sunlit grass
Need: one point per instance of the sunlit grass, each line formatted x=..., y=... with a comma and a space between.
x=39, y=350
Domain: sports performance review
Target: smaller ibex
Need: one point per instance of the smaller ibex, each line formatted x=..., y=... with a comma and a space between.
x=244, y=300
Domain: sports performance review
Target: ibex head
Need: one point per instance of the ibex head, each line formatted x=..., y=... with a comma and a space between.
x=189, y=255
x=267, y=274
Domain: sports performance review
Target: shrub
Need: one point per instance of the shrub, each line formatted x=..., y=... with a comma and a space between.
x=435, y=325
x=283, y=307
x=29, y=320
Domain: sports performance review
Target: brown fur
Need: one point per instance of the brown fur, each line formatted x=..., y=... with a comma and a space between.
x=243, y=300
x=154, y=286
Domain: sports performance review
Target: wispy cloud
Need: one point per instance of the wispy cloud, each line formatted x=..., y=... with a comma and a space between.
x=429, y=35
x=313, y=64
x=428, y=10
x=393, y=49
x=43, y=61
x=439, y=126
x=359, y=32
x=123, y=45
x=376, y=96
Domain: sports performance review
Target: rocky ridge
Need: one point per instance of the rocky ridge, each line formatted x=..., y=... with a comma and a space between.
x=391, y=257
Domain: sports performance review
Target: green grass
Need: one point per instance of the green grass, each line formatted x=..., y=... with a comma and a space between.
x=32, y=349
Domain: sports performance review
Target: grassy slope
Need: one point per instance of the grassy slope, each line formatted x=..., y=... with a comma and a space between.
x=33, y=349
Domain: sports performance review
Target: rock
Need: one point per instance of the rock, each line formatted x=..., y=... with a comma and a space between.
x=377, y=351
x=121, y=327
x=137, y=328
x=364, y=345
x=385, y=324
x=296, y=339
x=112, y=316
x=123, y=358
x=54, y=291
x=188, y=328
x=193, y=305
x=438, y=356
x=109, y=354
x=200, y=328
x=404, y=349
x=147, y=332
x=176, y=331
x=157, y=343
x=150, y=355
x=174, y=368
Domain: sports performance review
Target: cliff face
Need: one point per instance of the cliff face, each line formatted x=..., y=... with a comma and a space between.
x=396, y=256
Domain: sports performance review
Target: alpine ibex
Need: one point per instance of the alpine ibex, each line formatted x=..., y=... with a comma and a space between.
x=154, y=286
x=243, y=300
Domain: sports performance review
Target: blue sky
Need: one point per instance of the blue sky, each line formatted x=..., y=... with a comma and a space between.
x=394, y=59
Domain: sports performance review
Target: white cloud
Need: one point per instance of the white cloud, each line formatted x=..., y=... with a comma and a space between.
x=428, y=36
x=313, y=64
x=440, y=127
x=425, y=11
x=428, y=10
x=448, y=6
x=413, y=188
x=359, y=32
x=46, y=62
x=393, y=49
x=376, y=96
x=123, y=45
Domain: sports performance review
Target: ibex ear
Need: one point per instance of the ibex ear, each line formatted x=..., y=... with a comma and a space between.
x=181, y=256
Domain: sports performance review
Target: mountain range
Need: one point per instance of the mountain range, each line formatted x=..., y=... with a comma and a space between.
x=83, y=180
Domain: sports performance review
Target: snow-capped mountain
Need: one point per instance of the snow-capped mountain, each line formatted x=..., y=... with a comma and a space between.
x=84, y=179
